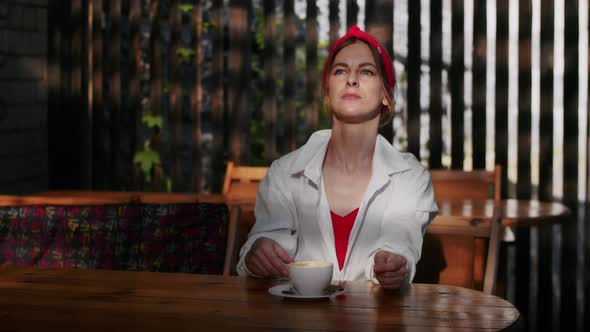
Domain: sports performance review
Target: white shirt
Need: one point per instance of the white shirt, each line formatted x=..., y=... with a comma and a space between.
x=292, y=209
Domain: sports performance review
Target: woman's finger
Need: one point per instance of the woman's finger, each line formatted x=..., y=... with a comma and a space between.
x=278, y=265
x=390, y=280
x=255, y=268
x=281, y=253
x=391, y=274
x=265, y=262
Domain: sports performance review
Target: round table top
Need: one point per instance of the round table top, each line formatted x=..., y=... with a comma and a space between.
x=514, y=212
x=103, y=300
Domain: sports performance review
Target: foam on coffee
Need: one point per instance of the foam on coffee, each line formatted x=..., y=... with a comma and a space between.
x=310, y=264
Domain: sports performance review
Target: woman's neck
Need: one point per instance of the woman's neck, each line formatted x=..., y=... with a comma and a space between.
x=351, y=147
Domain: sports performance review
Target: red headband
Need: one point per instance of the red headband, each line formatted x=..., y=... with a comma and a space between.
x=355, y=32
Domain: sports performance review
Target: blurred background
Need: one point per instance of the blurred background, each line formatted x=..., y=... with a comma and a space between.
x=159, y=95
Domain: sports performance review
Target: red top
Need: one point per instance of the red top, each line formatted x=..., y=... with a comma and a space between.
x=342, y=227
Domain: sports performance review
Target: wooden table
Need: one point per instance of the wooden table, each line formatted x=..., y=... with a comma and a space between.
x=83, y=300
x=514, y=212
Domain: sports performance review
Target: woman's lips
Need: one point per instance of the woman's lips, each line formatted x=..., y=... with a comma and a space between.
x=350, y=96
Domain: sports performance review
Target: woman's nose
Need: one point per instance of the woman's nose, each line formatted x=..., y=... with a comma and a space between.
x=352, y=80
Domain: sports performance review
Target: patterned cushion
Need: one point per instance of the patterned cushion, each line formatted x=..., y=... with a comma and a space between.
x=23, y=234
x=187, y=238
x=92, y=237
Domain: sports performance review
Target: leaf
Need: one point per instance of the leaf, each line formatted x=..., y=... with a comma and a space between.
x=185, y=54
x=152, y=121
x=168, y=185
x=147, y=159
x=186, y=8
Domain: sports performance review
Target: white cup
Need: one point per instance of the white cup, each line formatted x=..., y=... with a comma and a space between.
x=310, y=278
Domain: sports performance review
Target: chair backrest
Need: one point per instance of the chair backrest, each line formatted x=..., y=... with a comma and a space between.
x=459, y=251
x=457, y=184
x=242, y=181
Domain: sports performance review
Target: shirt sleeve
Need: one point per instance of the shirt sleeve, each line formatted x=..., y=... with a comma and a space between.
x=403, y=234
x=275, y=216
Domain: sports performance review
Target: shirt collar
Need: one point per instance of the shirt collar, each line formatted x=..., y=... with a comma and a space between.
x=386, y=161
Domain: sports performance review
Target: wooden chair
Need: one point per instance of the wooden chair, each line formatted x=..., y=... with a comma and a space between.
x=239, y=187
x=459, y=185
x=463, y=252
x=241, y=182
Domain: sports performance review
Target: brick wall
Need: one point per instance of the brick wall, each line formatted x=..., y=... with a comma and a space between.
x=23, y=96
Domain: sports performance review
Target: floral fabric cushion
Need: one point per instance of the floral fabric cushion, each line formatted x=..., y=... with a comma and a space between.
x=23, y=234
x=152, y=237
x=188, y=238
x=90, y=237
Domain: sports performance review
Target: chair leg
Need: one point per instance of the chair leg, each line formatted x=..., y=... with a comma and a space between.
x=489, y=283
x=232, y=234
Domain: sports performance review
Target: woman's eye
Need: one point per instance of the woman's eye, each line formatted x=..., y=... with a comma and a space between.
x=367, y=72
x=338, y=71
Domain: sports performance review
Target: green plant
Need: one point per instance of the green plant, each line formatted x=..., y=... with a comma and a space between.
x=185, y=54
x=186, y=8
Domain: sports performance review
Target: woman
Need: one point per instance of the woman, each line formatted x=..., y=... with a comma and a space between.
x=347, y=196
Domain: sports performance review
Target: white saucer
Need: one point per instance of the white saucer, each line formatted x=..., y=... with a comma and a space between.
x=287, y=291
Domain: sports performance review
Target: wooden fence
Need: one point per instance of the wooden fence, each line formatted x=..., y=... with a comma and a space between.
x=203, y=82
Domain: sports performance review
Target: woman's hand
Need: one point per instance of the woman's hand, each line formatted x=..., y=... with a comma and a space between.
x=267, y=258
x=390, y=269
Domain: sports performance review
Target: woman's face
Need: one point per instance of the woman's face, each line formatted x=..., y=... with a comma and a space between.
x=355, y=87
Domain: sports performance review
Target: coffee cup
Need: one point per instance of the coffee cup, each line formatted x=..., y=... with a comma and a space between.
x=310, y=278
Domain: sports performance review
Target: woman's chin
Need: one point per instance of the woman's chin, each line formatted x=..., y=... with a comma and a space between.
x=355, y=116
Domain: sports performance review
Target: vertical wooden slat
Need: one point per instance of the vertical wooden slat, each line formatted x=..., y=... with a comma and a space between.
x=134, y=85
x=352, y=11
x=144, y=70
x=523, y=235
x=379, y=24
x=156, y=91
x=414, y=62
x=479, y=84
x=456, y=78
x=126, y=110
x=523, y=189
x=546, y=126
x=197, y=99
x=311, y=67
x=56, y=75
x=218, y=94
x=173, y=113
x=270, y=101
x=334, y=19
x=545, y=291
x=98, y=178
x=106, y=113
x=435, y=146
x=290, y=75
x=239, y=72
x=115, y=92
x=162, y=38
x=501, y=135
x=570, y=165
x=88, y=73
x=77, y=91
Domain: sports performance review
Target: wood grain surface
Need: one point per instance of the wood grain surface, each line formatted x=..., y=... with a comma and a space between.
x=100, y=300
